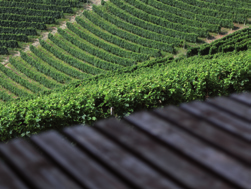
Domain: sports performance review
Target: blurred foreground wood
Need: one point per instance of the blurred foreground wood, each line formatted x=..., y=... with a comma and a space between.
x=199, y=145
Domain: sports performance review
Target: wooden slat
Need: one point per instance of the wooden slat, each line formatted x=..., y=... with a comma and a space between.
x=234, y=107
x=8, y=180
x=171, y=164
x=207, y=132
x=243, y=97
x=88, y=173
x=34, y=168
x=131, y=169
x=219, y=118
x=205, y=155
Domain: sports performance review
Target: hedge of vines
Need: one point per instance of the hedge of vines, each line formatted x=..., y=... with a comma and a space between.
x=105, y=45
x=141, y=88
x=40, y=78
x=233, y=41
x=14, y=30
x=31, y=12
x=237, y=16
x=96, y=51
x=117, y=40
x=53, y=73
x=129, y=36
x=58, y=65
x=30, y=5
x=228, y=23
x=21, y=18
x=173, y=17
x=191, y=37
x=70, y=59
x=22, y=24
x=202, y=32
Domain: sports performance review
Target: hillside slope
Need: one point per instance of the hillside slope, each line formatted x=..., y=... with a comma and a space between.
x=153, y=84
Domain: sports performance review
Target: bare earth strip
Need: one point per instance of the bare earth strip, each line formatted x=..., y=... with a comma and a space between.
x=219, y=36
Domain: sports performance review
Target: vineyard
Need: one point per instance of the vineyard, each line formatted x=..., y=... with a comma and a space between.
x=119, y=45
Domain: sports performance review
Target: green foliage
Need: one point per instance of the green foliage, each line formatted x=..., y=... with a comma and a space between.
x=3, y=50
x=27, y=18
x=22, y=24
x=40, y=78
x=117, y=40
x=205, y=10
x=95, y=51
x=72, y=3
x=58, y=65
x=228, y=23
x=127, y=91
x=58, y=76
x=226, y=8
x=134, y=29
x=16, y=37
x=31, y=12
x=37, y=6
x=172, y=17
x=105, y=45
x=144, y=40
x=4, y=96
x=76, y=52
x=232, y=41
x=9, y=44
x=6, y=83
x=191, y=37
x=15, y=77
x=231, y=3
x=25, y=31
x=159, y=20
x=70, y=59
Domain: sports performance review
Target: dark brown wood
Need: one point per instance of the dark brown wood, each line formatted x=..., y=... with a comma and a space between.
x=76, y=163
x=234, y=107
x=219, y=118
x=171, y=164
x=198, y=145
x=207, y=132
x=34, y=168
x=205, y=155
x=245, y=98
x=136, y=172
x=8, y=180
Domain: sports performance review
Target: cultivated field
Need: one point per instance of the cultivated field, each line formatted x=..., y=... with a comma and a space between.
x=48, y=48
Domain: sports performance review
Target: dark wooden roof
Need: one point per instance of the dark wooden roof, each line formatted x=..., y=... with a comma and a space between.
x=199, y=145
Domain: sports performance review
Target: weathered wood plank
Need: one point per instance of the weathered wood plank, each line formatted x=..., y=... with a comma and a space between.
x=243, y=97
x=173, y=165
x=240, y=110
x=34, y=168
x=8, y=180
x=205, y=155
x=205, y=131
x=219, y=118
x=124, y=164
x=88, y=173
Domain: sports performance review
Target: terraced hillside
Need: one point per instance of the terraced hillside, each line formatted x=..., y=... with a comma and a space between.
x=240, y=40
x=114, y=36
x=22, y=20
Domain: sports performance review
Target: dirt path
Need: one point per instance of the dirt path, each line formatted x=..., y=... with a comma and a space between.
x=54, y=30
x=239, y=26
